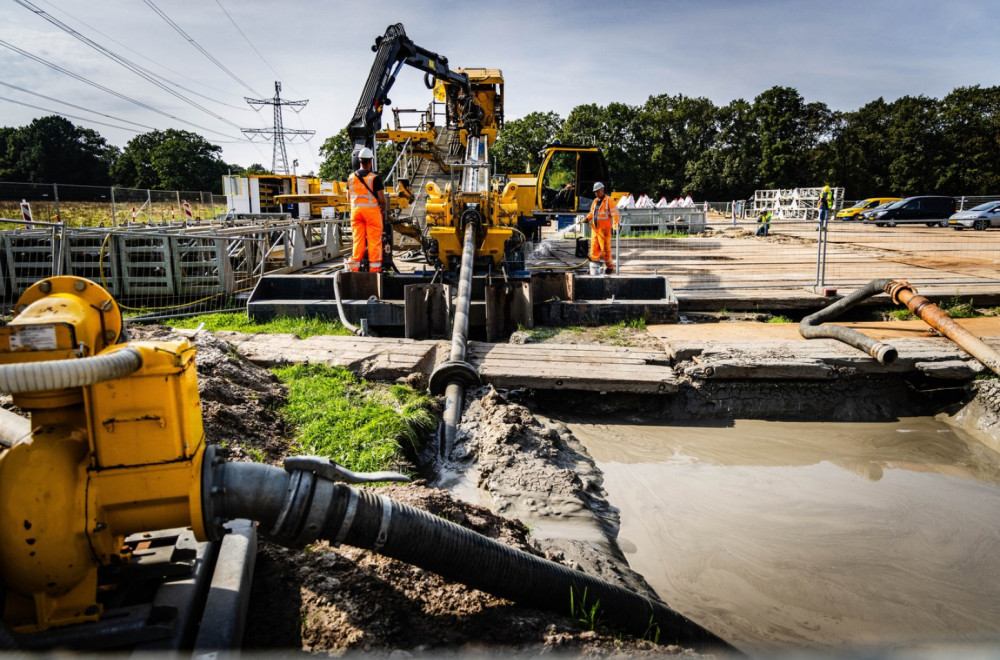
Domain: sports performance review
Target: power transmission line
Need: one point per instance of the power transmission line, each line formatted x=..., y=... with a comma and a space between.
x=63, y=114
x=105, y=89
x=279, y=160
x=196, y=45
x=78, y=107
x=149, y=59
x=262, y=59
x=125, y=62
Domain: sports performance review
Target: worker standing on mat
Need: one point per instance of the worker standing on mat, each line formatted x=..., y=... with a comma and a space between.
x=366, y=193
x=603, y=217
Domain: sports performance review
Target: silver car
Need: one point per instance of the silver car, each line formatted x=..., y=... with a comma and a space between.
x=979, y=217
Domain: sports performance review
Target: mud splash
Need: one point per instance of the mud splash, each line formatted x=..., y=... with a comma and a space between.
x=810, y=535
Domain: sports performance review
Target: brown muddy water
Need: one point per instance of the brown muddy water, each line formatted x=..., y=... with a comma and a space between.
x=789, y=535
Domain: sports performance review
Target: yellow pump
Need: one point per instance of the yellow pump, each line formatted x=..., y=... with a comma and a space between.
x=116, y=447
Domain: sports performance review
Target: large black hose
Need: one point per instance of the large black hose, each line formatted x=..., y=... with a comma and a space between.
x=300, y=507
x=811, y=327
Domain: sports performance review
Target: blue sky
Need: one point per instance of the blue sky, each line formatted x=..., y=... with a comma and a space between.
x=554, y=55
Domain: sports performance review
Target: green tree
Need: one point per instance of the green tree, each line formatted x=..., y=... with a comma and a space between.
x=336, y=153
x=256, y=168
x=675, y=130
x=519, y=143
x=860, y=150
x=728, y=168
x=170, y=160
x=614, y=129
x=54, y=150
x=788, y=129
x=970, y=135
x=914, y=145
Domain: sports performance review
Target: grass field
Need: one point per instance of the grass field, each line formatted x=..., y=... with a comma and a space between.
x=94, y=214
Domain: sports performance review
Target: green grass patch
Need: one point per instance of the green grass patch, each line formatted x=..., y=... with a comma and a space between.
x=358, y=424
x=240, y=322
x=960, y=309
x=540, y=333
x=780, y=319
x=901, y=314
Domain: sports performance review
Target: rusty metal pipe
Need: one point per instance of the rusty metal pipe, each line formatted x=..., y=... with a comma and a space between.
x=904, y=294
x=813, y=327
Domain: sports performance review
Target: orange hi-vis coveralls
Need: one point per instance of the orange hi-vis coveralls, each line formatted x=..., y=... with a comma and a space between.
x=602, y=217
x=366, y=222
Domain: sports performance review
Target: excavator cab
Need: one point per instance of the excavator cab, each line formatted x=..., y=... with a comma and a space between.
x=567, y=175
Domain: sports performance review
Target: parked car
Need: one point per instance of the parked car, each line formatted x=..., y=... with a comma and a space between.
x=979, y=217
x=929, y=209
x=866, y=216
x=855, y=211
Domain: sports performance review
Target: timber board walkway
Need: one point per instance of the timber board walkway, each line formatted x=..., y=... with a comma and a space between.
x=602, y=368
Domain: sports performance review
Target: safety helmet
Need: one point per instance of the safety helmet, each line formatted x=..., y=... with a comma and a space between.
x=598, y=186
x=366, y=154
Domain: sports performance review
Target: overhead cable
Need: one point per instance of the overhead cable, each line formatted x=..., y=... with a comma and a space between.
x=149, y=59
x=196, y=45
x=262, y=58
x=125, y=62
x=63, y=114
x=105, y=89
x=78, y=107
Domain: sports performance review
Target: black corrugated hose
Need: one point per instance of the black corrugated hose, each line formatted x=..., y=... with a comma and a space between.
x=297, y=508
x=811, y=327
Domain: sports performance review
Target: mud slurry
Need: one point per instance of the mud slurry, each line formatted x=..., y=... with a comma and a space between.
x=522, y=466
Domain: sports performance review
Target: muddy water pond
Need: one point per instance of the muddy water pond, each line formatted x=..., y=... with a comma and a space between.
x=787, y=535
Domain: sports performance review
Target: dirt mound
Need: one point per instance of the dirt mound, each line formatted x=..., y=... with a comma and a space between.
x=345, y=599
x=239, y=400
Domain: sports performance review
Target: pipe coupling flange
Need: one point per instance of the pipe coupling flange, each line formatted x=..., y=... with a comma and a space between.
x=453, y=371
x=213, y=494
x=894, y=287
x=289, y=523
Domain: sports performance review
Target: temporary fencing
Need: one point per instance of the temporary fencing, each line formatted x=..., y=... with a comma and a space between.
x=90, y=206
x=170, y=269
x=727, y=254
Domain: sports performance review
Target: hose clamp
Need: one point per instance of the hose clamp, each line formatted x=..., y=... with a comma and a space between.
x=383, y=530
x=345, y=526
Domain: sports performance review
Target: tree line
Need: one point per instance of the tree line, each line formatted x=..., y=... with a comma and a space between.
x=671, y=145
x=676, y=145
x=54, y=150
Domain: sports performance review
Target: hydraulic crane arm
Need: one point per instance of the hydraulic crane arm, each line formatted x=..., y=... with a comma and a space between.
x=392, y=51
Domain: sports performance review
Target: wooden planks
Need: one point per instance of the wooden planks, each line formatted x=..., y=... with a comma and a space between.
x=372, y=357
x=574, y=366
x=611, y=368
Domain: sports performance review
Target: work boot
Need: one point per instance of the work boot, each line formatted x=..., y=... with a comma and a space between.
x=610, y=270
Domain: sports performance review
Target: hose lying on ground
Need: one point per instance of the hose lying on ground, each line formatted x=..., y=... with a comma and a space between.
x=811, y=327
x=299, y=507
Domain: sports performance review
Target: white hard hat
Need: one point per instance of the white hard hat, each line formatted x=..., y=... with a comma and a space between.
x=598, y=186
x=366, y=153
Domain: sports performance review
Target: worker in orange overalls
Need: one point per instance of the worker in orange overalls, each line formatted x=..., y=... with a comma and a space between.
x=366, y=194
x=603, y=217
